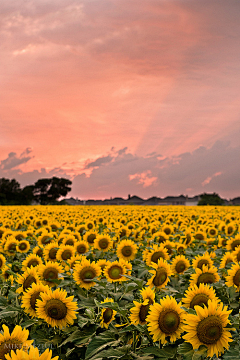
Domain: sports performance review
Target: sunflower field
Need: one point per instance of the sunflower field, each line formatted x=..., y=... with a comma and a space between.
x=119, y=282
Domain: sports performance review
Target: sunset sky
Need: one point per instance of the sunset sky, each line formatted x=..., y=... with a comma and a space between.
x=123, y=97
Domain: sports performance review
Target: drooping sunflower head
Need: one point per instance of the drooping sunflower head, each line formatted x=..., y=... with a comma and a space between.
x=85, y=272
x=199, y=295
x=169, y=246
x=56, y=308
x=102, y=263
x=115, y=271
x=6, y=273
x=205, y=275
x=17, y=340
x=49, y=273
x=103, y=242
x=201, y=260
x=180, y=264
x=29, y=277
x=165, y=320
x=208, y=328
x=30, y=296
x=227, y=258
x=127, y=250
x=236, y=254
x=107, y=314
x=233, y=276
x=161, y=273
x=31, y=260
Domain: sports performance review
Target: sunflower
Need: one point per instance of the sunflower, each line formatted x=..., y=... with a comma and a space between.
x=17, y=340
x=160, y=237
x=84, y=272
x=115, y=271
x=45, y=238
x=127, y=250
x=102, y=263
x=233, y=243
x=33, y=354
x=49, y=272
x=56, y=308
x=103, y=242
x=212, y=231
x=38, y=251
x=233, y=277
x=107, y=314
x=208, y=328
x=227, y=258
x=230, y=229
x=50, y=251
x=30, y=297
x=148, y=294
x=65, y=253
x=236, y=254
x=29, y=277
x=205, y=275
x=169, y=245
x=23, y=246
x=69, y=240
x=81, y=247
x=200, y=235
x=201, y=260
x=31, y=260
x=180, y=264
x=155, y=254
x=139, y=312
x=199, y=295
x=123, y=231
x=181, y=248
x=161, y=274
x=166, y=320
x=167, y=229
x=10, y=246
x=6, y=275
x=72, y=262
x=2, y=261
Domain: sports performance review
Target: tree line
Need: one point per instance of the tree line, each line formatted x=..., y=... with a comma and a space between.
x=44, y=191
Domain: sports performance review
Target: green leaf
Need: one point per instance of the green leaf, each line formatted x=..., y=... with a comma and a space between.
x=201, y=353
x=100, y=342
x=186, y=350
x=28, y=323
x=4, y=314
x=76, y=335
x=232, y=354
x=111, y=353
x=69, y=351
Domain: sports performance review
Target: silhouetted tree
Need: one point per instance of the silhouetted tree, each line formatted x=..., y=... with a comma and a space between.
x=9, y=192
x=210, y=199
x=47, y=191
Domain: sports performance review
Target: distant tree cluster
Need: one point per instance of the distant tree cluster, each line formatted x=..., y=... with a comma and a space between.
x=44, y=191
x=210, y=199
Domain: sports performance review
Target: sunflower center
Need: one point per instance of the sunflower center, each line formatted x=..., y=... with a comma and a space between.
x=12, y=247
x=28, y=282
x=40, y=252
x=52, y=253
x=168, y=321
x=199, y=299
x=199, y=236
x=123, y=233
x=45, y=240
x=90, y=226
x=238, y=256
x=201, y=263
x=23, y=246
x=33, y=263
x=212, y=232
x=69, y=242
x=180, y=266
x=209, y=330
x=127, y=251
x=56, y=309
x=143, y=312
x=103, y=243
x=87, y=274
x=91, y=238
x=160, y=277
x=236, y=278
x=8, y=345
x=115, y=272
x=234, y=244
x=50, y=273
x=33, y=299
x=66, y=254
x=81, y=249
x=157, y=255
x=224, y=242
x=188, y=239
x=1, y=263
x=107, y=315
x=169, y=249
x=206, y=278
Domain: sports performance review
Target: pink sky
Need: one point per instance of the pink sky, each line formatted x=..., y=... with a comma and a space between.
x=137, y=96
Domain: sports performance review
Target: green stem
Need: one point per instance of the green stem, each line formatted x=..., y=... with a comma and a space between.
x=134, y=341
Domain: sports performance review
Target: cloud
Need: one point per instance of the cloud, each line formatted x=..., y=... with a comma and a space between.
x=13, y=161
x=144, y=178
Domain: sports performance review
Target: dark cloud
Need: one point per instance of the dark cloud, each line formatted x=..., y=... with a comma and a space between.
x=100, y=161
x=13, y=161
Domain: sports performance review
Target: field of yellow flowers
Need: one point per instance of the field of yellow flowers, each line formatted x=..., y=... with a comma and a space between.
x=124, y=282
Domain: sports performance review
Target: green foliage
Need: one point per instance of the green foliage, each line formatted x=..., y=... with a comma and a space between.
x=210, y=199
